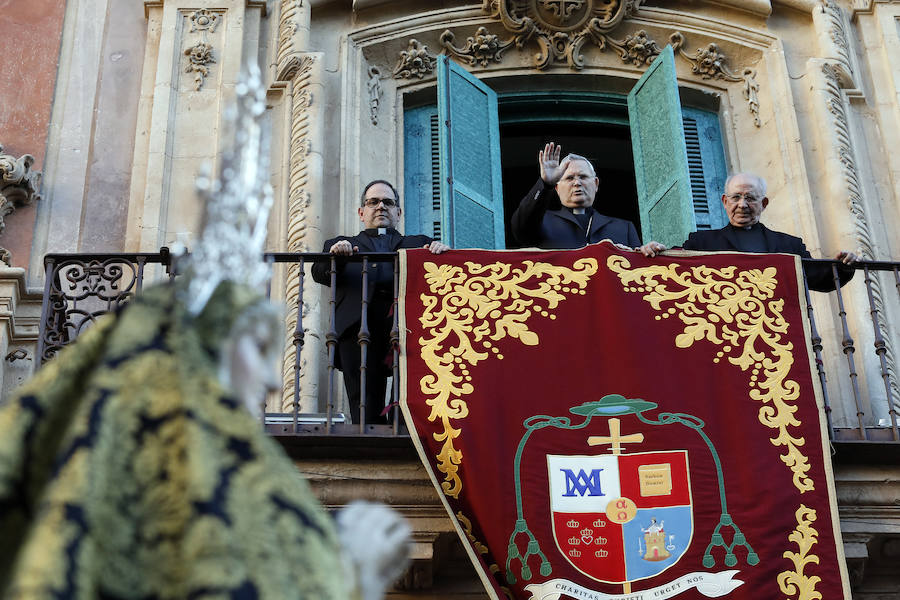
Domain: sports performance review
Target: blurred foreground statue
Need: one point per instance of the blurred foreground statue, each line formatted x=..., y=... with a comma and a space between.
x=131, y=465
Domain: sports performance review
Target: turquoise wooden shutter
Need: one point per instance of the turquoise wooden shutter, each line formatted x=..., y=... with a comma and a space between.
x=421, y=172
x=660, y=156
x=706, y=164
x=469, y=138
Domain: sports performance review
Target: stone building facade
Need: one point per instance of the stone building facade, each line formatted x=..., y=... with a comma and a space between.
x=120, y=104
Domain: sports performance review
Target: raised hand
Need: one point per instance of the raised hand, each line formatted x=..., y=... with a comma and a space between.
x=548, y=159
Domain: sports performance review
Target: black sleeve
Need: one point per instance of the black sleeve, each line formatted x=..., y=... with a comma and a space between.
x=820, y=277
x=527, y=218
x=633, y=240
x=321, y=271
x=690, y=243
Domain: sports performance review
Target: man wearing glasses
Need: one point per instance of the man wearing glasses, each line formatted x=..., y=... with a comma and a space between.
x=379, y=212
x=744, y=201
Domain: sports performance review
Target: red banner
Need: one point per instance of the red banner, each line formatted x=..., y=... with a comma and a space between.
x=601, y=425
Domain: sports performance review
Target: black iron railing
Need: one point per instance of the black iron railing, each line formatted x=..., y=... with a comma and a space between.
x=80, y=287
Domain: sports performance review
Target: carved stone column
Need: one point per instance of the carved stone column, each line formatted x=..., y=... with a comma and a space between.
x=19, y=184
x=301, y=73
x=843, y=206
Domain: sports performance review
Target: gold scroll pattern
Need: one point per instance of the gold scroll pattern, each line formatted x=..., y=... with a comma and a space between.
x=470, y=309
x=480, y=548
x=795, y=582
x=736, y=311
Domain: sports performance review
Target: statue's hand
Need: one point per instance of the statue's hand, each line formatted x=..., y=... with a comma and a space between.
x=375, y=541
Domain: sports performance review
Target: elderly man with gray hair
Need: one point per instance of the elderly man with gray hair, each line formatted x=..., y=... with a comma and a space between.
x=541, y=221
x=744, y=201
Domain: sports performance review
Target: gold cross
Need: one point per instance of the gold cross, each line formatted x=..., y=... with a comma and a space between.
x=614, y=438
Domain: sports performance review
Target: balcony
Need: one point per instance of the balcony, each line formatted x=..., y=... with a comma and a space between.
x=852, y=344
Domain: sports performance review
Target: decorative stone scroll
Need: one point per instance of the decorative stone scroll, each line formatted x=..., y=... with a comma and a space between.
x=18, y=186
x=415, y=61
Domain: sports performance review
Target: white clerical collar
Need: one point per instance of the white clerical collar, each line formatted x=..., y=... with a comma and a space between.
x=578, y=210
x=382, y=230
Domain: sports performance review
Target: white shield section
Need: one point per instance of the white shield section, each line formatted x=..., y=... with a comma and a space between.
x=582, y=483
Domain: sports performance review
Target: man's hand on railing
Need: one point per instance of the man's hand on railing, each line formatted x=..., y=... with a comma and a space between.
x=344, y=248
x=436, y=247
x=847, y=257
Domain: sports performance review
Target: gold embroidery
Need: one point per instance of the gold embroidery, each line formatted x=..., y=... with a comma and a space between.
x=481, y=549
x=795, y=582
x=469, y=309
x=735, y=311
x=467, y=526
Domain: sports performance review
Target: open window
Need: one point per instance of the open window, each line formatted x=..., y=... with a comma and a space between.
x=515, y=125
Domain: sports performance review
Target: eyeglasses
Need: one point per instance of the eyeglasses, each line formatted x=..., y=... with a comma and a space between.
x=738, y=197
x=374, y=202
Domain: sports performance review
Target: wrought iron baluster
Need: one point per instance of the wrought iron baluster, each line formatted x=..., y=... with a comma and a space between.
x=816, y=340
x=849, y=351
x=49, y=266
x=299, y=338
x=364, y=338
x=330, y=345
x=395, y=348
x=881, y=350
x=139, y=284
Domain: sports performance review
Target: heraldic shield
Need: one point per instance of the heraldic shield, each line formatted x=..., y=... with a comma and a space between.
x=621, y=517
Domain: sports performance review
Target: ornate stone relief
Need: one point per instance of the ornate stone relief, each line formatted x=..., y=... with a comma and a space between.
x=415, y=61
x=561, y=27
x=841, y=127
x=18, y=186
x=200, y=55
x=482, y=48
x=203, y=20
x=708, y=62
x=638, y=48
x=373, y=86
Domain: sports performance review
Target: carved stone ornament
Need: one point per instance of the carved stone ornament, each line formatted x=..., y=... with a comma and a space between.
x=199, y=56
x=203, y=20
x=481, y=48
x=561, y=27
x=415, y=61
x=638, y=48
x=18, y=186
x=751, y=94
x=374, y=88
x=708, y=62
